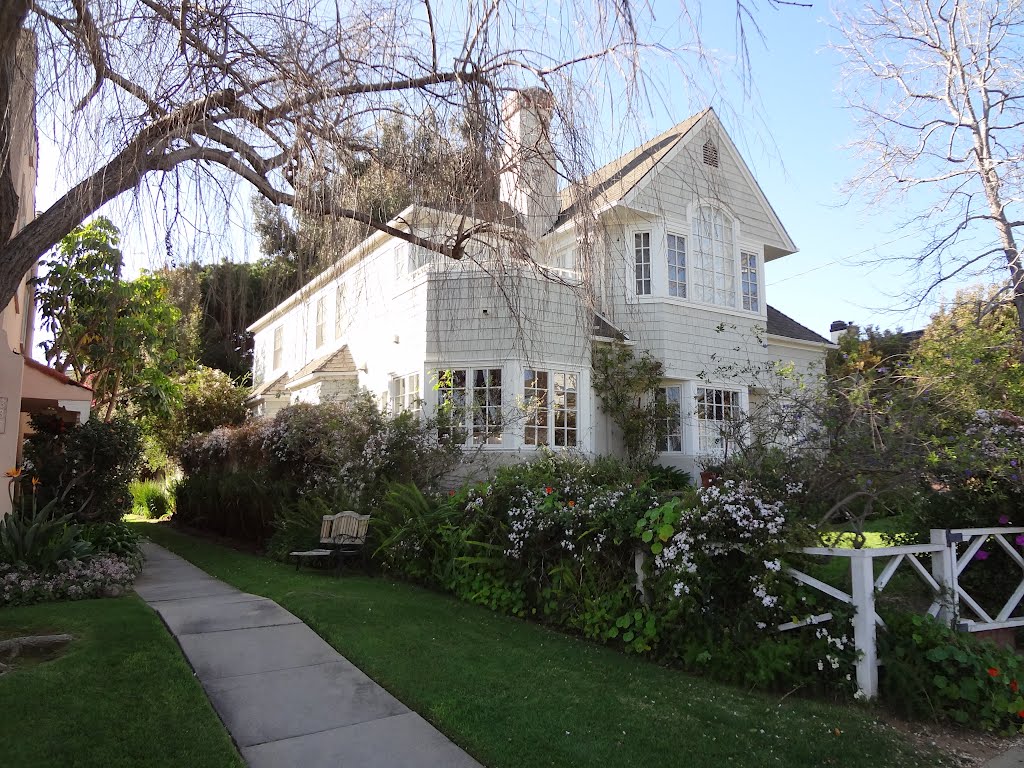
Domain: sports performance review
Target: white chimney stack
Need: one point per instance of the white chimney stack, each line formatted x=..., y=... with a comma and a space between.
x=529, y=182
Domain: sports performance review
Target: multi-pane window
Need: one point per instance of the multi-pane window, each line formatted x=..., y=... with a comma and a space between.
x=451, y=402
x=565, y=408
x=278, y=347
x=671, y=438
x=471, y=399
x=712, y=258
x=339, y=311
x=405, y=393
x=552, y=408
x=321, y=320
x=716, y=410
x=487, y=415
x=748, y=280
x=676, y=265
x=642, y=258
x=538, y=407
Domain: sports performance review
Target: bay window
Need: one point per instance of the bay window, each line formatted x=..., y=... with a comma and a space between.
x=676, y=249
x=642, y=260
x=748, y=281
x=552, y=408
x=713, y=259
x=469, y=403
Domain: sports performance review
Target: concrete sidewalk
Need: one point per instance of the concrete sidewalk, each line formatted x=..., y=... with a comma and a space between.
x=286, y=696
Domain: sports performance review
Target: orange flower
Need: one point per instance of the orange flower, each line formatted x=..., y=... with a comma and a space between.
x=14, y=472
x=993, y=672
x=36, y=481
x=572, y=503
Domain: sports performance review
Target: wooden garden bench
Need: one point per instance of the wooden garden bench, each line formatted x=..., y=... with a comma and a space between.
x=342, y=535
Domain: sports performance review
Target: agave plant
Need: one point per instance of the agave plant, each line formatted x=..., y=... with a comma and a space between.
x=39, y=538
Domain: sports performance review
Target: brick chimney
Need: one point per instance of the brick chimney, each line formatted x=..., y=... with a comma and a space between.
x=529, y=182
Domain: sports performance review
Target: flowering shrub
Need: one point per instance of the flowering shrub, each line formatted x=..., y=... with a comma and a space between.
x=934, y=671
x=696, y=581
x=239, y=479
x=98, y=576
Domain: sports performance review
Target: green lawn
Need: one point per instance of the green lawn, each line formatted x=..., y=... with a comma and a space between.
x=121, y=694
x=515, y=694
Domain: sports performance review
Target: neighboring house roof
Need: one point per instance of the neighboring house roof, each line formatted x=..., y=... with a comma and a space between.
x=335, y=363
x=614, y=181
x=784, y=325
x=53, y=373
x=270, y=388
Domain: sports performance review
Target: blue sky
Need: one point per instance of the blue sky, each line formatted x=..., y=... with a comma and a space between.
x=791, y=128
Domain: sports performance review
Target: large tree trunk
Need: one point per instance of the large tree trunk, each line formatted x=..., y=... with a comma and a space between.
x=12, y=16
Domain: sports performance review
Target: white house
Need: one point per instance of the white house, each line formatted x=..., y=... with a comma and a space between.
x=673, y=256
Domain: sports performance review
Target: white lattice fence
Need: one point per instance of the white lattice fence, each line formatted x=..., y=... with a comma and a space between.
x=948, y=564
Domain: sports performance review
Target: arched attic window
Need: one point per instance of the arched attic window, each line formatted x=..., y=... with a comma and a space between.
x=711, y=153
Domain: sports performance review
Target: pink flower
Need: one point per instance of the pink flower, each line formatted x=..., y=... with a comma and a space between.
x=981, y=554
x=1020, y=540
x=1004, y=519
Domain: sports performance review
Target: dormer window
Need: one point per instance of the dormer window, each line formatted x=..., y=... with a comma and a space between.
x=710, y=153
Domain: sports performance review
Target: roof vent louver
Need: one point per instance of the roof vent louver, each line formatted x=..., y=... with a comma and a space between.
x=710, y=153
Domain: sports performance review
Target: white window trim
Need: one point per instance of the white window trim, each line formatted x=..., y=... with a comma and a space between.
x=652, y=234
x=277, y=360
x=552, y=371
x=680, y=417
x=761, y=311
x=469, y=368
x=691, y=407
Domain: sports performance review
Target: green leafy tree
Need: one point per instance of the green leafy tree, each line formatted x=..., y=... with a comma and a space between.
x=209, y=399
x=629, y=387
x=118, y=336
x=971, y=352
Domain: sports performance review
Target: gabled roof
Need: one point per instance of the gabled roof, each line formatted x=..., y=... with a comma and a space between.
x=273, y=387
x=339, y=362
x=614, y=181
x=784, y=325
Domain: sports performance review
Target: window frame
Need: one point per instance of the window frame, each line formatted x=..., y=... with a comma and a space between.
x=700, y=259
x=679, y=265
x=750, y=301
x=320, y=332
x=560, y=408
x=643, y=270
x=278, y=347
x=673, y=424
x=730, y=411
x=466, y=397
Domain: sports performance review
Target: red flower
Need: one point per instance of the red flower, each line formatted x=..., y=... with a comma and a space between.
x=451, y=493
x=1013, y=686
x=548, y=489
x=1021, y=714
x=993, y=672
x=572, y=503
